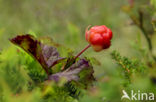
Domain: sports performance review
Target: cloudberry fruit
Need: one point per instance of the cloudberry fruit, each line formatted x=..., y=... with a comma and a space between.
x=99, y=37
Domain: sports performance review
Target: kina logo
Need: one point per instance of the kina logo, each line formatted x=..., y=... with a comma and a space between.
x=125, y=95
x=137, y=96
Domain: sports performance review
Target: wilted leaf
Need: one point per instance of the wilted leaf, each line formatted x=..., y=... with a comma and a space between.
x=81, y=71
x=46, y=55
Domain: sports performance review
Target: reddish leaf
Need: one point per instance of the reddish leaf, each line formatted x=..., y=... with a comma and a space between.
x=81, y=71
x=46, y=55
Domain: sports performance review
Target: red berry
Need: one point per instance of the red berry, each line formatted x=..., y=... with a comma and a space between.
x=99, y=37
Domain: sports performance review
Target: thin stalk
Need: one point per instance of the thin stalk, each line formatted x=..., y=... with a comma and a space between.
x=82, y=51
x=140, y=26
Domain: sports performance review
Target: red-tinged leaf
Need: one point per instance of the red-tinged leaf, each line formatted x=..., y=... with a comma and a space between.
x=81, y=71
x=46, y=55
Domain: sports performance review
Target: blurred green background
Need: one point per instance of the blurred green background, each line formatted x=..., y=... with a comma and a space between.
x=65, y=22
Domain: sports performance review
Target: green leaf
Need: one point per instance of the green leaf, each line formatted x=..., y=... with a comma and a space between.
x=153, y=2
x=74, y=33
x=129, y=66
